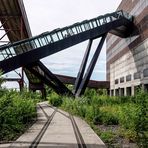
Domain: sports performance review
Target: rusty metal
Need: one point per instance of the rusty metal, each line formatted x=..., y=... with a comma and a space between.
x=91, y=84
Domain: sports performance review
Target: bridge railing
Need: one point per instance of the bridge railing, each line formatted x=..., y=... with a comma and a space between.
x=46, y=38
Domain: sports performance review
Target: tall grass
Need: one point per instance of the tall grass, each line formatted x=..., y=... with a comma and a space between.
x=17, y=110
x=130, y=113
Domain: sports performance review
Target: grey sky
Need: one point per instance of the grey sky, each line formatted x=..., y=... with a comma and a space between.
x=46, y=15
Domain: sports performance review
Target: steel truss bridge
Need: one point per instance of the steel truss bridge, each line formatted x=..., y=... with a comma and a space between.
x=26, y=51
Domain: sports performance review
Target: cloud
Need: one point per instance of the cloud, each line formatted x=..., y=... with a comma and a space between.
x=47, y=15
x=68, y=61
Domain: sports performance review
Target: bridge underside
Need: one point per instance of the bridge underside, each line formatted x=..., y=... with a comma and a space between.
x=15, y=23
x=14, y=27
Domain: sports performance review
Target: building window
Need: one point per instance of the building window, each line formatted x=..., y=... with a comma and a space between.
x=116, y=81
x=128, y=78
x=137, y=75
x=121, y=79
x=145, y=72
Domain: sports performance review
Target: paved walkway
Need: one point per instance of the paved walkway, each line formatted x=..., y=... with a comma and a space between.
x=57, y=129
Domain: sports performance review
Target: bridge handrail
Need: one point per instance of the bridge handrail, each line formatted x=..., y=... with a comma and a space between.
x=46, y=38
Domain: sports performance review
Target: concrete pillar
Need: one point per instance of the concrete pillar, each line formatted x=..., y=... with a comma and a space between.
x=125, y=93
x=133, y=90
x=114, y=92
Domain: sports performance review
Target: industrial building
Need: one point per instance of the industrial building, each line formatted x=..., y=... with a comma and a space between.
x=127, y=58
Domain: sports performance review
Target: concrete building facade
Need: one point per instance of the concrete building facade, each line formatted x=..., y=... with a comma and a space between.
x=127, y=58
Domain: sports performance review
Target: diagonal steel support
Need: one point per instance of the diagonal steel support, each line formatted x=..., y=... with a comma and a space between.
x=44, y=79
x=90, y=69
x=49, y=78
x=56, y=81
x=82, y=67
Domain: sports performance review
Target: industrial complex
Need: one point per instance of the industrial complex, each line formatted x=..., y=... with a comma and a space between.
x=125, y=32
x=57, y=110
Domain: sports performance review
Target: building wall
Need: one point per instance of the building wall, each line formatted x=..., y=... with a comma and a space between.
x=127, y=59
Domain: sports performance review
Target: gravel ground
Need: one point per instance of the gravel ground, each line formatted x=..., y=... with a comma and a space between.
x=119, y=142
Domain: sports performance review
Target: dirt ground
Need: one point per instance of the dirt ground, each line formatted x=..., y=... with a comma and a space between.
x=118, y=142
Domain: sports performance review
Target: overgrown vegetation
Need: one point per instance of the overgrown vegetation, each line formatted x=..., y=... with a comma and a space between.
x=128, y=113
x=17, y=111
x=55, y=99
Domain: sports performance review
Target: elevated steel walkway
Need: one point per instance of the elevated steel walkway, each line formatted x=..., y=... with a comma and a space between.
x=28, y=52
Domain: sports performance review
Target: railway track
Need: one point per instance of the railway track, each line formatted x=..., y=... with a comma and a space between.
x=80, y=140
x=36, y=141
x=56, y=128
x=78, y=136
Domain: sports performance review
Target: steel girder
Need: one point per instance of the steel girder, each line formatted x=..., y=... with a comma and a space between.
x=82, y=67
x=49, y=78
x=84, y=81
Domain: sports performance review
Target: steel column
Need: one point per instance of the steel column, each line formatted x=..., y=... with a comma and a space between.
x=82, y=67
x=21, y=29
x=89, y=71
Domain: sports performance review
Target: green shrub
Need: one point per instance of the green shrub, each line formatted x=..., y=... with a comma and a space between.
x=16, y=112
x=129, y=112
x=128, y=116
x=109, y=115
x=141, y=124
x=108, y=118
x=66, y=104
x=90, y=93
x=107, y=136
x=127, y=134
x=55, y=99
x=89, y=113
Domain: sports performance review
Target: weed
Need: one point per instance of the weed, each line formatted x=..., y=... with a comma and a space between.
x=55, y=99
x=16, y=112
x=108, y=136
x=130, y=113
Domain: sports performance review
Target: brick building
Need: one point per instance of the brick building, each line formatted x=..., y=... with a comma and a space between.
x=127, y=58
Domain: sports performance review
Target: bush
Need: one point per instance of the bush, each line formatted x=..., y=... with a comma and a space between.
x=55, y=100
x=108, y=118
x=16, y=112
x=129, y=112
x=89, y=113
x=141, y=124
x=107, y=136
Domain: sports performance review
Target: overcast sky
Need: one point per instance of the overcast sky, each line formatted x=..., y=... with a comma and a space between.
x=46, y=15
